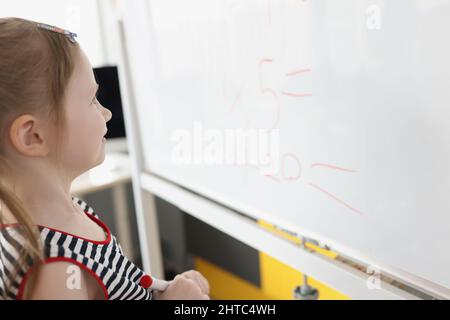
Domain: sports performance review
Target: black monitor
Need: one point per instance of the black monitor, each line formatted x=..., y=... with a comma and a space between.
x=109, y=96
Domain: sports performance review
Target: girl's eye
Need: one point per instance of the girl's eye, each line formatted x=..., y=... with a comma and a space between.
x=95, y=101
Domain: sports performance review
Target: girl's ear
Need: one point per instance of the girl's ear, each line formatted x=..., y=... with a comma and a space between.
x=29, y=136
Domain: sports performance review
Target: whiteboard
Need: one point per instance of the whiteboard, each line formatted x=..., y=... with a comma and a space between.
x=357, y=92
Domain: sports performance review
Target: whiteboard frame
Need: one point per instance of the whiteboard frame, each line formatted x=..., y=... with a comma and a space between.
x=334, y=273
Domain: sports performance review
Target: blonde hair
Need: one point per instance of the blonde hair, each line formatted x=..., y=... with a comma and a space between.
x=35, y=67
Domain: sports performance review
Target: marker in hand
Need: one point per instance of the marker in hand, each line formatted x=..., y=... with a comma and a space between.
x=149, y=282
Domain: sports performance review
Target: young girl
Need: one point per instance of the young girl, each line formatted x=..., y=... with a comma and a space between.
x=52, y=130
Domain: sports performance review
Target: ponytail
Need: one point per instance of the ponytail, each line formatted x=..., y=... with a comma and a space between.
x=30, y=252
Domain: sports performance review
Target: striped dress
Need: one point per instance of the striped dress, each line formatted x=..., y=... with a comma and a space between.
x=104, y=260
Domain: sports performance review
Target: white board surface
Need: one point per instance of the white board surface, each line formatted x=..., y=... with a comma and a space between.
x=358, y=92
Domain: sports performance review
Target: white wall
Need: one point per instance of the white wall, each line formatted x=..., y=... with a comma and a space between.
x=79, y=16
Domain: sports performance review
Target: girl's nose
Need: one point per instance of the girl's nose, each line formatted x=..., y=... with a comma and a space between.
x=107, y=114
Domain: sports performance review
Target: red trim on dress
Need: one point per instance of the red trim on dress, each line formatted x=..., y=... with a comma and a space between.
x=97, y=221
x=7, y=225
x=62, y=259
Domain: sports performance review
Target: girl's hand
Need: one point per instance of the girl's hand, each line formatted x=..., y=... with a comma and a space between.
x=189, y=285
x=198, y=278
